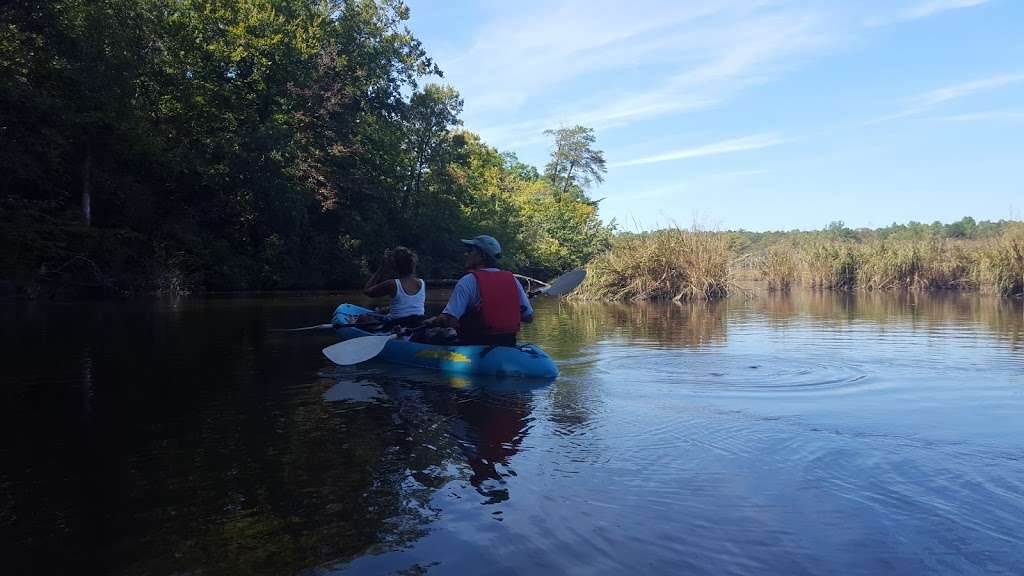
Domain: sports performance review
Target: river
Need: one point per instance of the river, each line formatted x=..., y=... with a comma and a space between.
x=808, y=434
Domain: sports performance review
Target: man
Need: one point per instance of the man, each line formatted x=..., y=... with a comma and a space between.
x=487, y=304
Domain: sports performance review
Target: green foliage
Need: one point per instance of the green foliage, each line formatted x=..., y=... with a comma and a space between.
x=255, y=144
x=575, y=164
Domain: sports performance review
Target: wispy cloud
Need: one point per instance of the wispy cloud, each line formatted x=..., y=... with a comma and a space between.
x=988, y=115
x=753, y=142
x=609, y=63
x=920, y=10
x=934, y=98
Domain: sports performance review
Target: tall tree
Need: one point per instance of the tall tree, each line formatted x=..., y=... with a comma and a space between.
x=575, y=165
x=433, y=112
x=255, y=144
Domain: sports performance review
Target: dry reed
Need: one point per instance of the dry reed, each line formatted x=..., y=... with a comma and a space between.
x=674, y=264
x=681, y=265
x=778, y=267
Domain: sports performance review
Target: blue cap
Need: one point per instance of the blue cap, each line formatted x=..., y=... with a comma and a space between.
x=487, y=244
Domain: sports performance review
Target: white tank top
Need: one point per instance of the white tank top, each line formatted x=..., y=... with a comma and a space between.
x=403, y=304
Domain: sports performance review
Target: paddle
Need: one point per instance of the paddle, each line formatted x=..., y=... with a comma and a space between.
x=364, y=348
x=563, y=284
x=325, y=327
x=304, y=329
x=357, y=350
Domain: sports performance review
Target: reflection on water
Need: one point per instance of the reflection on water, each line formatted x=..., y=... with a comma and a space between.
x=811, y=433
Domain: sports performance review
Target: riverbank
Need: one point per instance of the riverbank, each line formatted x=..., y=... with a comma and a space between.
x=694, y=264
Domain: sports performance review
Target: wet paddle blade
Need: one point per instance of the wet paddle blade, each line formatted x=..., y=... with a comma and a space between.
x=565, y=283
x=357, y=350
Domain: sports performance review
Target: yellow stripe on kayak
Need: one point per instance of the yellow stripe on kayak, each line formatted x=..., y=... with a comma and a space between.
x=448, y=355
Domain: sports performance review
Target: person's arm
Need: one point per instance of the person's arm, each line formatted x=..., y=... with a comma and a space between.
x=385, y=288
x=458, y=302
x=443, y=320
x=374, y=288
x=525, y=308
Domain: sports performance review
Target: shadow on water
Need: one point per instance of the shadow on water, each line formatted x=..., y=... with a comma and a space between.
x=165, y=436
x=161, y=437
x=180, y=436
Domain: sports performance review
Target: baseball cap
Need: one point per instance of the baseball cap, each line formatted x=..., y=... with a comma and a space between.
x=487, y=244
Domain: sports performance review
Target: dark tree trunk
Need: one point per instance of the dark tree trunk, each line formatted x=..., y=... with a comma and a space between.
x=568, y=179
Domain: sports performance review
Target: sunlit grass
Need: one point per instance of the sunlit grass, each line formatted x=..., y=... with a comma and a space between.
x=930, y=264
x=671, y=264
x=681, y=265
x=778, y=266
x=828, y=265
x=999, y=264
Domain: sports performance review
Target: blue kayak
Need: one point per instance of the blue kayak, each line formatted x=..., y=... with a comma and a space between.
x=525, y=361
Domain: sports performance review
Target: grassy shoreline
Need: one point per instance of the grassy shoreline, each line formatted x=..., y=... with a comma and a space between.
x=681, y=265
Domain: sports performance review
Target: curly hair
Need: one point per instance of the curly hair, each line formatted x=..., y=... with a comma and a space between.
x=405, y=260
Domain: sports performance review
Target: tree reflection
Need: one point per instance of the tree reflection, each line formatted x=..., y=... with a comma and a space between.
x=153, y=438
x=567, y=327
x=1002, y=317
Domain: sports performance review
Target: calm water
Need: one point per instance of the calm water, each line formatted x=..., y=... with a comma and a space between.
x=815, y=434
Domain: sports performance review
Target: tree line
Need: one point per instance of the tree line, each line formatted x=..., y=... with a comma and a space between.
x=967, y=228
x=256, y=144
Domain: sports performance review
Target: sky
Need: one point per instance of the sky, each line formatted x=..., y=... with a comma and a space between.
x=754, y=114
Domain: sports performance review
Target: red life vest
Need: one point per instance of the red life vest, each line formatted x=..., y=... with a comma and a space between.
x=498, y=312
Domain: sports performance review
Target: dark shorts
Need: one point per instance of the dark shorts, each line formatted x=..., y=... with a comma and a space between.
x=405, y=321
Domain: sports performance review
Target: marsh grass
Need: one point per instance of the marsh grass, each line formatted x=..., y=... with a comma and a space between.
x=778, y=267
x=828, y=265
x=999, y=265
x=684, y=265
x=671, y=264
x=931, y=264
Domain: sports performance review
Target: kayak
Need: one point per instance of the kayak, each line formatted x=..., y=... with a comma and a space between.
x=524, y=361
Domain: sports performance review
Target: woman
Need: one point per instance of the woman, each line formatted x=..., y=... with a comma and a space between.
x=408, y=293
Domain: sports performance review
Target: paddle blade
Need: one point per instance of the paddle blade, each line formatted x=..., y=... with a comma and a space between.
x=565, y=283
x=316, y=328
x=357, y=350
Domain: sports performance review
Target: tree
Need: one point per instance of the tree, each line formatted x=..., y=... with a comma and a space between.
x=432, y=114
x=837, y=230
x=575, y=165
x=233, y=144
x=966, y=227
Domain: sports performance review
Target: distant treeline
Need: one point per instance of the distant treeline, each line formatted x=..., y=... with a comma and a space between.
x=254, y=144
x=697, y=264
x=966, y=228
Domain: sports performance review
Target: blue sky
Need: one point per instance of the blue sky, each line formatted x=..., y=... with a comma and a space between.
x=756, y=114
